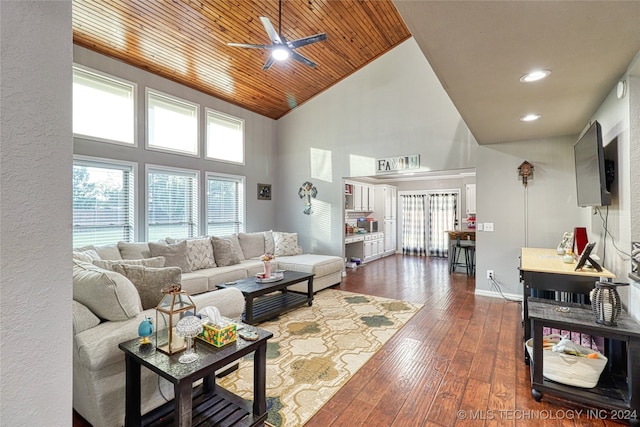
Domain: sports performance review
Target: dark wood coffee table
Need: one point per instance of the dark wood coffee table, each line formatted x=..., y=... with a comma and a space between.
x=263, y=301
x=208, y=404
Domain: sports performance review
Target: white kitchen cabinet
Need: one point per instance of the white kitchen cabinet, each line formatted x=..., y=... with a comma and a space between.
x=390, y=233
x=373, y=246
x=471, y=199
x=358, y=197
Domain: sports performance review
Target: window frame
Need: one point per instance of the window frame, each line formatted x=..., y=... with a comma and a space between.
x=107, y=163
x=106, y=76
x=194, y=173
x=211, y=111
x=171, y=98
x=242, y=211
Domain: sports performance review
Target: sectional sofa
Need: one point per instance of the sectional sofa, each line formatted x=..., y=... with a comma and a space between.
x=115, y=287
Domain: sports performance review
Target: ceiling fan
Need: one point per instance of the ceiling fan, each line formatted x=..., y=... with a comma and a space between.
x=280, y=48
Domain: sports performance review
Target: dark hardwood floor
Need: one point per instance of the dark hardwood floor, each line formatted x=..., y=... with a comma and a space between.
x=458, y=358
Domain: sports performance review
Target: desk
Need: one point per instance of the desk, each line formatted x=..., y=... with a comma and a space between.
x=544, y=270
x=619, y=392
x=210, y=404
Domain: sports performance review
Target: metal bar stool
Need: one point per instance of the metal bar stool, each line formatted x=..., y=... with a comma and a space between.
x=469, y=249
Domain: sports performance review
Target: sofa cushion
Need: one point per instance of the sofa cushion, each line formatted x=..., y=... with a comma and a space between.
x=134, y=250
x=149, y=281
x=175, y=254
x=224, y=252
x=252, y=244
x=195, y=282
x=286, y=244
x=156, y=262
x=109, y=295
x=319, y=265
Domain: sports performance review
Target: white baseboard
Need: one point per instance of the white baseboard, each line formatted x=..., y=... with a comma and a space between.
x=494, y=294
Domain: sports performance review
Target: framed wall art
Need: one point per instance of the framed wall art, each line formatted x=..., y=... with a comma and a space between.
x=264, y=191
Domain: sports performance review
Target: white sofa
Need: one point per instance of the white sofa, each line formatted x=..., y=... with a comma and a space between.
x=116, y=287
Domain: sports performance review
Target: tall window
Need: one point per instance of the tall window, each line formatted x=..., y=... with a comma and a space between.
x=103, y=107
x=443, y=214
x=172, y=203
x=225, y=137
x=172, y=124
x=103, y=202
x=225, y=204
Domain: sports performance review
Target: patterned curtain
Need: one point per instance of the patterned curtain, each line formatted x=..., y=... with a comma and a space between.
x=414, y=233
x=442, y=217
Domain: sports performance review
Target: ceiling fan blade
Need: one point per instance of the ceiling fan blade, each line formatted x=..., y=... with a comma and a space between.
x=250, y=46
x=306, y=40
x=295, y=55
x=269, y=62
x=275, y=37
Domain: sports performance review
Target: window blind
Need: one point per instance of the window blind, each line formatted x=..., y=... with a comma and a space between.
x=225, y=205
x=172, y=207
x=103, y=203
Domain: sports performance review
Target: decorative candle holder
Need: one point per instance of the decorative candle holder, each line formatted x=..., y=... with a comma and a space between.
x=605, y=303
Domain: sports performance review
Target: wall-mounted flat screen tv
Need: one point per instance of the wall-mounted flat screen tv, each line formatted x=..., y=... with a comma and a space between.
x=591, y=182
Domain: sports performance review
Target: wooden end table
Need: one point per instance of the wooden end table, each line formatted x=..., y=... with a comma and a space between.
x=263, y=301
x=207, y=402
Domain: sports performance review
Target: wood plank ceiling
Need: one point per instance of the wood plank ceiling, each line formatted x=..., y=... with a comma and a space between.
x=186, y=41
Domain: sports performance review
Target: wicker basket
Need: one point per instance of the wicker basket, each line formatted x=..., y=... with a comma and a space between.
x=568, y=369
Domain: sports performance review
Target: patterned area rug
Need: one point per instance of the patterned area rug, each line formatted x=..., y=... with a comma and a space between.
x=315, y=350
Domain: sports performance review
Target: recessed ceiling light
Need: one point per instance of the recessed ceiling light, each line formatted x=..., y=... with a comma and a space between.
x=280, y=53
x=534, y=76
x=530, y=117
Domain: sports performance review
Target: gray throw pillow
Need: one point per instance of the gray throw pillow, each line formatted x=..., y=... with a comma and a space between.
x=252, y=244
x=149, y=281
x=175, y=255
x=224, y=252
x=156, y=262
x=108, y=294
x=133, y=250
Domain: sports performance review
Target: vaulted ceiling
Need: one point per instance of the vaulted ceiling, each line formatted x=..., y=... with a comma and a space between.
x=186, y=41
x=478, y=49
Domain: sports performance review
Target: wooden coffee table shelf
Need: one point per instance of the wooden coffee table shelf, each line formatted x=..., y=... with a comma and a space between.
x=264, y=301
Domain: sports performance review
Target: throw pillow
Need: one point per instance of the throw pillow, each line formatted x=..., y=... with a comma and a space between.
x=235, y=245
x=269, y=243
x=134, y=250
x=109, y=295
x=156, y=262
x=252, y=244
x=224, y=253
x=149, y=281
x=86, y=256
x=286, y=244
x=175, y=255
x=200, y=254
x=108, y=251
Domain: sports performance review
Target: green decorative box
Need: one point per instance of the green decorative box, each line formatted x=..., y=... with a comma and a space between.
x=218, y=335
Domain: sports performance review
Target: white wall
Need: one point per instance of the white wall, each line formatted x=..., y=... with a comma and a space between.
x=532, y=216
x=260, y=145
x=35, y=214
x=394, y=106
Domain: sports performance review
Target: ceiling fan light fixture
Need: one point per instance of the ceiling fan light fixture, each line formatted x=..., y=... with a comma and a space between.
x=280, y=53
x=535, y=75
x=530, y=117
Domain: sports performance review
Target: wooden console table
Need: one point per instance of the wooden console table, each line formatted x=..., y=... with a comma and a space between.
x=544, y=270
x=618, y=390
x=208, y=404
